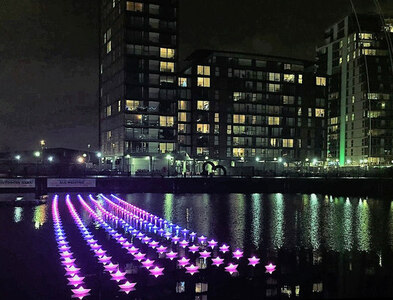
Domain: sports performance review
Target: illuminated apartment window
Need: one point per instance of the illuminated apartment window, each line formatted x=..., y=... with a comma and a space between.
x=289, y=78
x=201, y=287
x=237, y=96
x=183, y=105
x=108, y=135
x=183, y=117
x=239, y=119
x=180, y=287
x=274, y=142
x=202, y=151
x=274, y=120
x=203, y=82
x=238, y=152
x=166, y=147
x=202, y=105
x=274, y=88
x=288, y=99
x=287, y=66
x=320, y=112
x=229, y=129
x=109, y=47
x=370, y=52
x=167, y=53
x=108, y=111
x=203, y=70
x=166, y=121
x=181, y=128
x=300, y=79
x=132, y=105
x=274, y=76
x=287, y=143
x=167, y=66
x=317, y=287
x=321, y=81
x=119, y=106
x=134, y=6
x=365, y=36
x=182, y=82
x=203, y=128
x=216, y=118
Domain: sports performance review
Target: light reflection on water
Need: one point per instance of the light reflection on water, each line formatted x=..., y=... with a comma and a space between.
x=256, y=227
x=237, y=220
x=18, y=214
x=277, y=221
x=40, y=215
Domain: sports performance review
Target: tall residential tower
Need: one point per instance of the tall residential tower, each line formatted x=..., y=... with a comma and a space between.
x=138, y=54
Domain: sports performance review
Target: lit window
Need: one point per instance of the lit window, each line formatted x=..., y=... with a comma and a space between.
x=287, y=143
x=274, y=120
x=203, y=82
x=166, y=121
x=204, y=70
x=320, y=112
x=119, y=106
x=237, y=96
x=183, y=117
x=321, y=81
x=167, y=53
x=167, y=66
x=274, y=142
x=183, y=105
x=238, y=152
x=108, y=135
x=132, y=105
x=300, y=79
x=108, y=111
x=288, y=99
x=202, y=105
x=365, y=36
x=109, y=47
x=274, y=88
x=201, y=287
x=166, y=147
x=182, y=82
x=203, y=128
x=202, y=151
x=180, y=287
x=274, y=76
x=134, y=6
x=289, y=78
x=239, y=119
x=317, y=287
x=217, y=117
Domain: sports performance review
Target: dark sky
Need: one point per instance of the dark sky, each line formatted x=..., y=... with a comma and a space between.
x=49, y=61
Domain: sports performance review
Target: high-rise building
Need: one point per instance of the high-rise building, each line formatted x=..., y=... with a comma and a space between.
x=138, y=54
x=241, y=109
x=357, y=56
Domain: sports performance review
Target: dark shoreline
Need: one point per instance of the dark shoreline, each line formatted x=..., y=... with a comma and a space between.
x=365, y=187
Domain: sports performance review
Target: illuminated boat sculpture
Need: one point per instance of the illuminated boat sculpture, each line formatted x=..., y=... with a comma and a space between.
x=193, y=248
x=75, y=280
x=217, y=261
x=224, y=248
x=205, y=254
x=270, y=268
x=148, y=263
x=156, y=271
x=237, y=254
x=183, y=262
x=171, y=255
x=212, y=243
x=192, y=269
x=231, y=268
x=253, y=261
x=127, y=287
x=118, y=275
x=139, y=256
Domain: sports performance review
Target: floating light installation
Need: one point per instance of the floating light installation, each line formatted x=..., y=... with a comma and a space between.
x=270, y=268
x=253, y=261
x=217, y=261
x=231, y=268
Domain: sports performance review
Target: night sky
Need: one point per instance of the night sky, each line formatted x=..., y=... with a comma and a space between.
x=49, y=59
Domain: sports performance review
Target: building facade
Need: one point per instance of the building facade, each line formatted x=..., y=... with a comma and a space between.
x=138, y=54
x=241, y=109
x=357, y=56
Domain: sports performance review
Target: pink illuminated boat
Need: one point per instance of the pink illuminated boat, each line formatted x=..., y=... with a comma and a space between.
x=75, y=280
x=192, y=269
x=171, y=255
x=193, y=248
x=237, y=254
x=183, y=261
x=231, y=268
x=253, y=261
x=156, y=271
x=118, y=275
x=270, y=268
x=139, y=256
x=205, y=254
x=224, y=248
x=148, y=263
x=217, y=261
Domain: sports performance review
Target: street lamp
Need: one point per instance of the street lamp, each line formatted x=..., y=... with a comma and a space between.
x=80, y=159
x=17, y=157
x=168, y=157
x=280, y=160
x=257, y=159
x=37, y=154
x=99, y=154
x=50, y=158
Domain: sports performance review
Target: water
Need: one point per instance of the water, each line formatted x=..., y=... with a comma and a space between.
x=324, y=247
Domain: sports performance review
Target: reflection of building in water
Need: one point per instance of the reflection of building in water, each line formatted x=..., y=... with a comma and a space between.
x=256, y=226
x=237, y=220
x=362, y=226
x=348, y=221
x=168, y=207
x=277, y=220
x=314, y=222
x=18, y=214
x=40, y=217
x=391, y=225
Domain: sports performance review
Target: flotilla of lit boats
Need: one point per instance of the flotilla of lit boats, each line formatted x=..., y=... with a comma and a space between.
x=161, y=235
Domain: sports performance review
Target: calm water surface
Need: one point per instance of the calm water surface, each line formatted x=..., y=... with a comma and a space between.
x=324, y=247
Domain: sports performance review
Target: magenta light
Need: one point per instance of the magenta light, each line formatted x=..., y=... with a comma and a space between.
x=175, y=239
x=171, y=255
x=212, y=243
x=66, y=254
x=161, y=249
x=146, y=239
x=127, y=287
x=80, y=291
x=192, y=269
x=202, y=239
x=95, y=246
x=64, y=248
x=76, y=280
x=167, y=235
x=118, y=275
x=157, y=271
x=193, y=248
x=183, y=261
x=127, y=245
x=148, y=263
x=63, y=243
x=104, y=259
x=139, y=256
x=100, y=252
x=237, y=254
x=122, y=240
x=217, y=261
x=270, y=268
x=224, y=248
x=205, y=254
x=253, y=261
x=231, y=268
x=183, y=243
x=91, y=241
x=133, y=250
x=111, y=267
x=68, y=261
x=153, y=244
